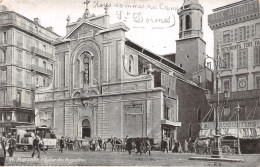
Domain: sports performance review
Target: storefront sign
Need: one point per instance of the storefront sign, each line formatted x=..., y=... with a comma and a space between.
x=231, y=124
x=167, y=122
x=9, y=124
x=240, y=46
x=234, y=12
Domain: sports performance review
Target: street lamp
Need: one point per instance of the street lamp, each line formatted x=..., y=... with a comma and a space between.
x=217, y=150
x=238, y=109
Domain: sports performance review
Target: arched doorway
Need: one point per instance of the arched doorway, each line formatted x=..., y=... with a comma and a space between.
x=86, y=131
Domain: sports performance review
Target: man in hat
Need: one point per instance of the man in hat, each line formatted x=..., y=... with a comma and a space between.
x=11, y=148
x=62, y=144
x=36, y=146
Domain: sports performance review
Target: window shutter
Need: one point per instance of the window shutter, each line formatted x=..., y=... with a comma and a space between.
x=236, y=35
x=231, y=60
x=231, y=36
x=248, y=32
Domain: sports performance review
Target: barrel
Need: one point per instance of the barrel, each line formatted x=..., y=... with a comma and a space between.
x=29, y=134
x=30, y=140
x=22, y=140
x=26, y=140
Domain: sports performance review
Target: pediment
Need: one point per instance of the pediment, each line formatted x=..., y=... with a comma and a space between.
x=83, y=30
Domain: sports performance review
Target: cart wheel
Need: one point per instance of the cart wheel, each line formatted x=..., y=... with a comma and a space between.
x=76, y=148
x=226, y=150
x=233, y=151
x=25, y=148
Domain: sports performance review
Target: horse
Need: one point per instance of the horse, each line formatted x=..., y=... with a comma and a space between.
x=202, y=146
x=117, y=144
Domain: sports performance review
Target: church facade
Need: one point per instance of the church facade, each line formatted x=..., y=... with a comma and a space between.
x=106, y=85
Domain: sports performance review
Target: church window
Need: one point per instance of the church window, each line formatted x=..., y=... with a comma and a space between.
x=131, y=63
x=188, y=22
x=2, y=56
x=180, y=24
x=199, y=115
x=201, y=23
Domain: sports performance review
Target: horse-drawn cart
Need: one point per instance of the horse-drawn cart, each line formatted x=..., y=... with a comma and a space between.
x=229, y=146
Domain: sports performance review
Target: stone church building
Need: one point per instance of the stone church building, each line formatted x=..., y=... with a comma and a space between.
x=106, y=85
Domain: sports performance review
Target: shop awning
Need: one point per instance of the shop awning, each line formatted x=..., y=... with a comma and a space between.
x=244, y=133
x=167, y=122
x=247, y=129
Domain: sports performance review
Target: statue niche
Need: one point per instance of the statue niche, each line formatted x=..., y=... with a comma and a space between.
x=86, y=70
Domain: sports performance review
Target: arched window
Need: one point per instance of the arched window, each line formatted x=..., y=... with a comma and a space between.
x=76, y=72
x=199, y=115
x=188, y=22
x=2, y=56
x=85, y=123
x=180, y=24
x=131, y=64
x=86, y=131
x=190, y=130
x=201, y=23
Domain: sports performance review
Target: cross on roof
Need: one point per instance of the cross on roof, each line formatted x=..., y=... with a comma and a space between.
x=87, y=2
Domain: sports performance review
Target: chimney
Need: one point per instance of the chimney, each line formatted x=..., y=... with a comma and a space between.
x=3, y=8
x=37, y=21
x=49, y=28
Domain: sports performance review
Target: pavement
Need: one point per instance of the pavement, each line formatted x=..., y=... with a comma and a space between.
x=109, y=158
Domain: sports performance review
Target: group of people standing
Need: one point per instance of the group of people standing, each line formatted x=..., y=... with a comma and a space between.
x=8, y=144
x=188, y=146
x=138, y=144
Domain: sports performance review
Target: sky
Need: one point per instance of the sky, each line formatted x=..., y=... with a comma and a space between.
x=154, y=24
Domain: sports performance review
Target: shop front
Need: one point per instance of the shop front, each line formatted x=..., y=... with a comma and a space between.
x=169, y=132
x=248, y=133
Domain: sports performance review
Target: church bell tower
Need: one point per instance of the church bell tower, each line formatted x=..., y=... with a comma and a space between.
x=190, y=47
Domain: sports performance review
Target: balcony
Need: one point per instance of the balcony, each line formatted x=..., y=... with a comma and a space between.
x=50, y=72
x=239, y=95
x=28, y=86
x=42, y=53
x=26, y=105
x=19, y=63
x=19, y=83
x=12, y=18
x=2, y=83
x=41, y=70
x=189, y=33
x=19, y=43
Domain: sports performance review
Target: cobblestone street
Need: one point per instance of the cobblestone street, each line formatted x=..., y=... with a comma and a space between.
x=108, y=158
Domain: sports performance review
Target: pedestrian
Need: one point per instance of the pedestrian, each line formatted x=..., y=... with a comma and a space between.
x=186, y=146
x=128, y=145
x=148, y=146
x=113, y=142
x=138, y=146
x=3, y=144
x=66, y=141
x=62, y=144
x=179, y=148
x=36, y=146
x=164, y=146
x=100, y=142
x=105, y=144
x=12, y=143
x=41, y=145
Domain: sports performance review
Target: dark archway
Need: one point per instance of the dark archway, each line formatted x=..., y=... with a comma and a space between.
x=86, y=131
